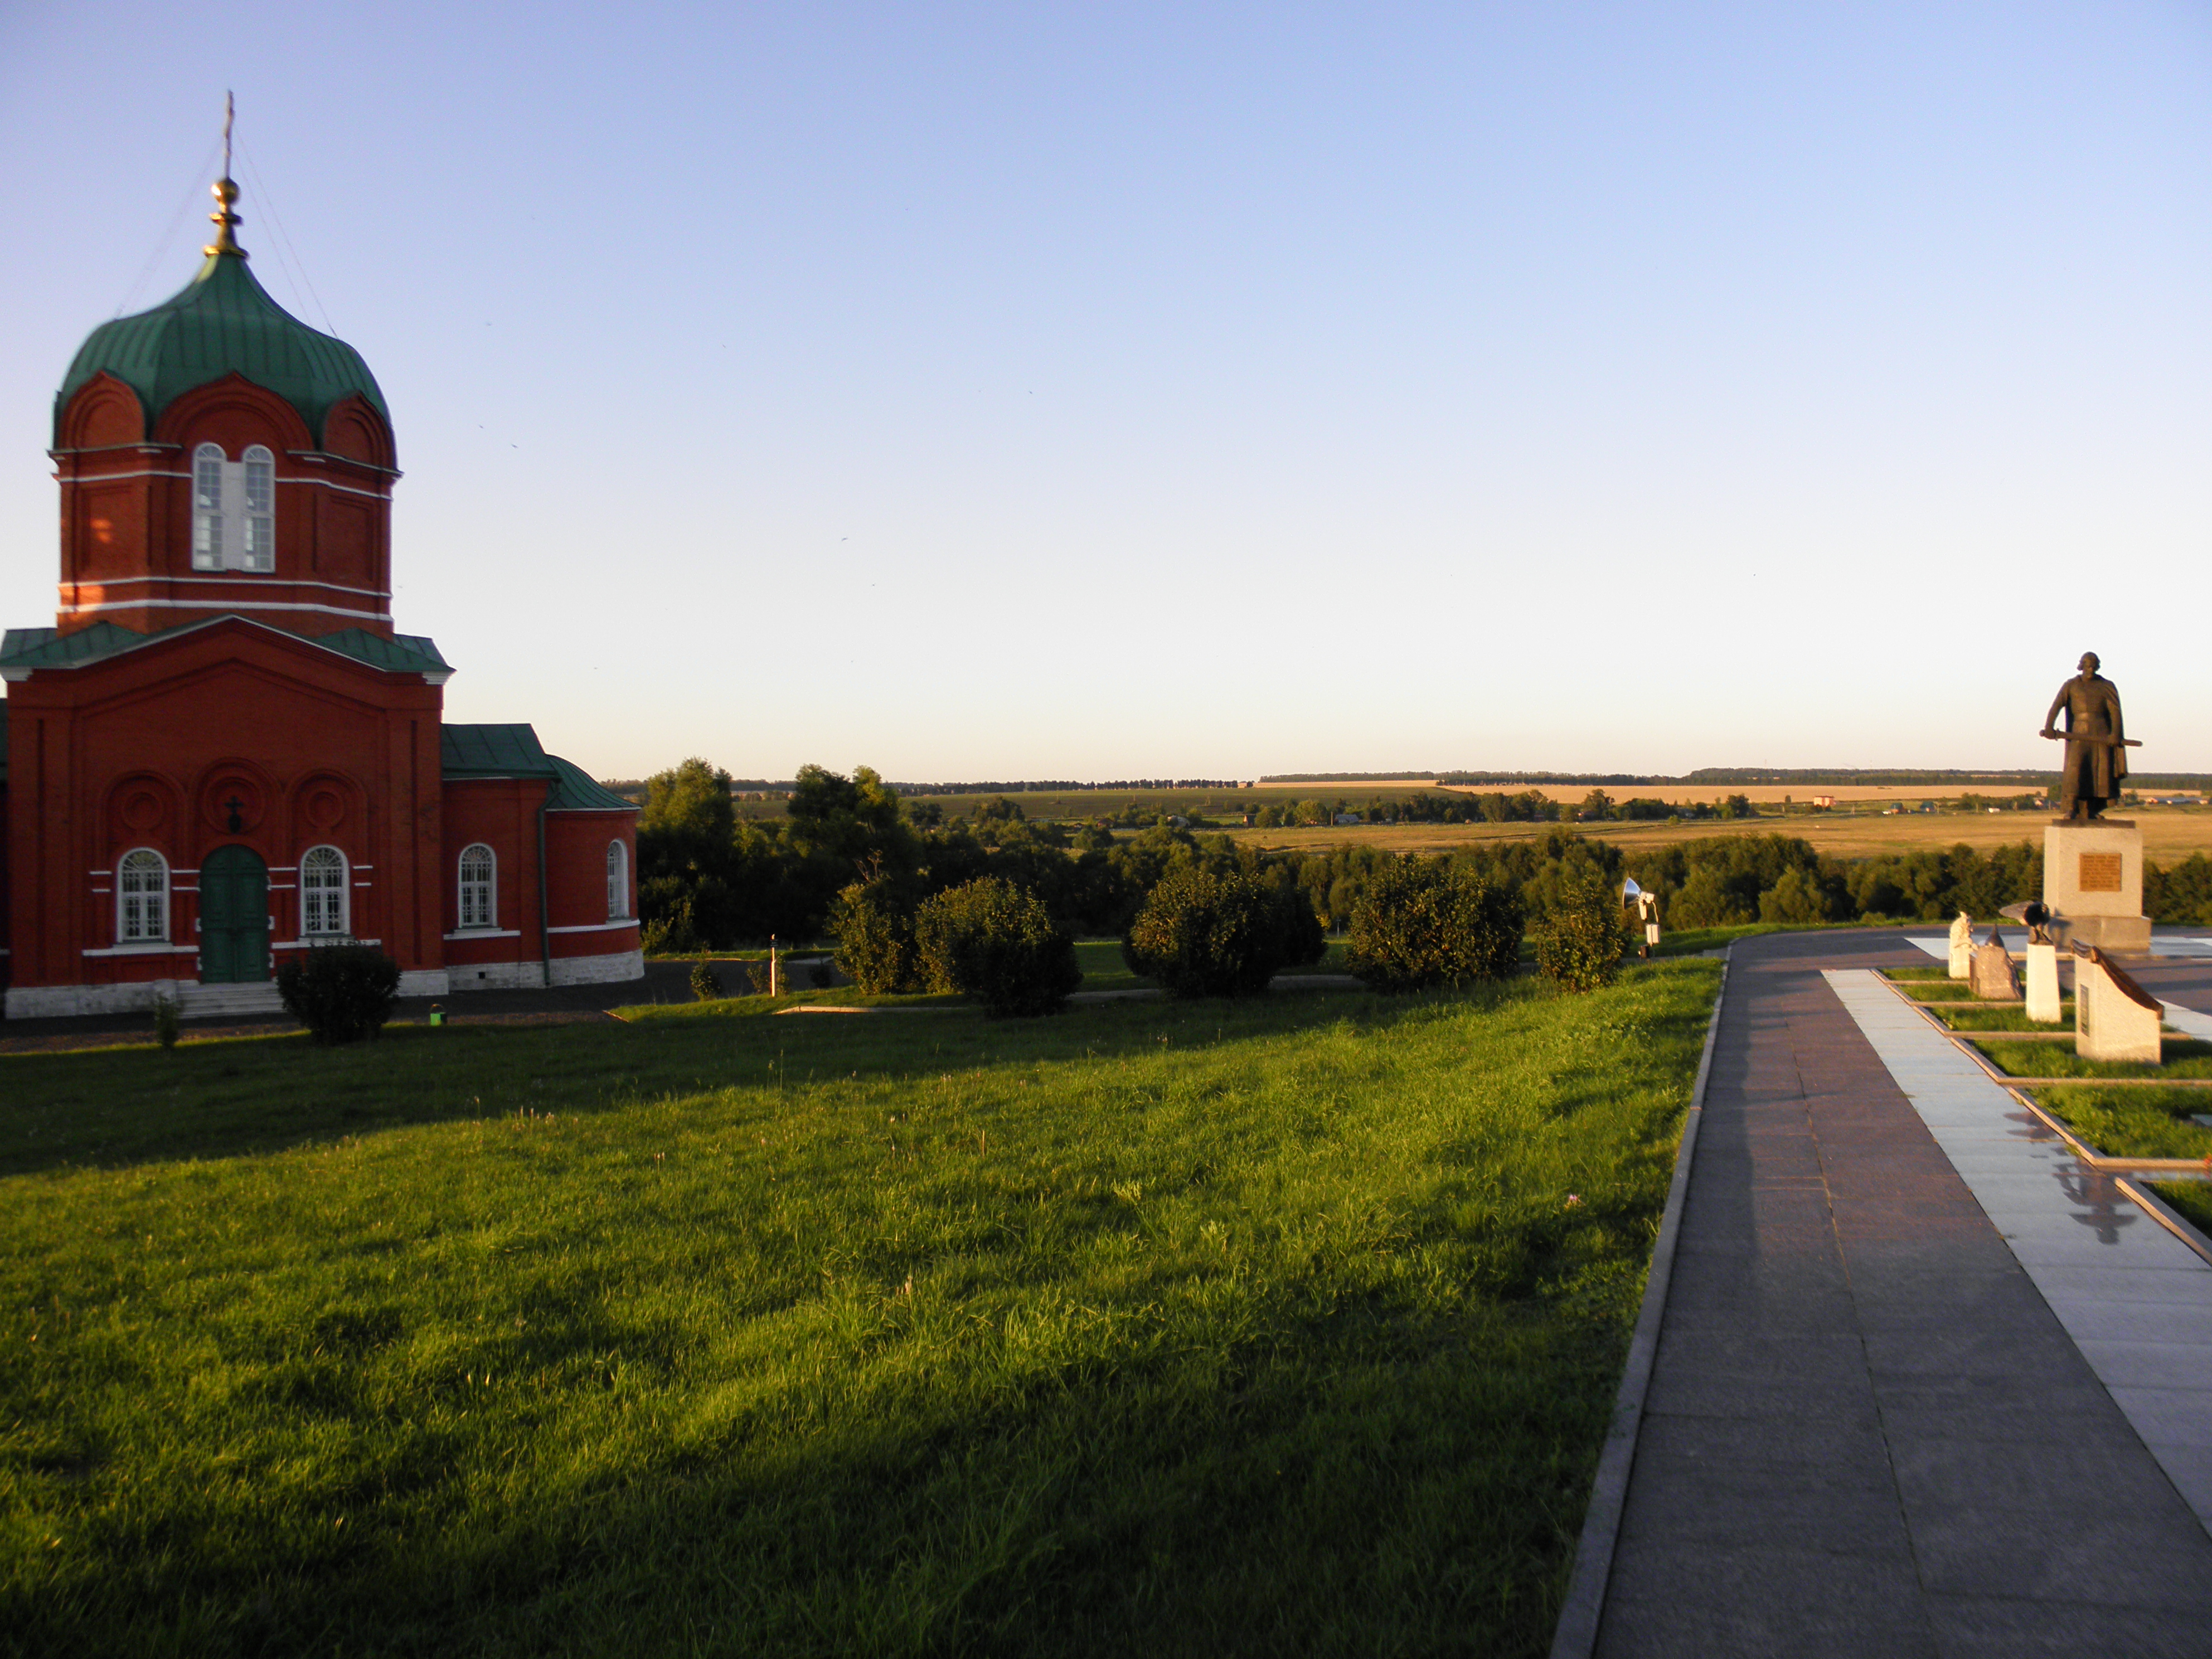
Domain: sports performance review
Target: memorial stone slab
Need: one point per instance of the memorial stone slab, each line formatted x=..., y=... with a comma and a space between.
x=1990, y=975
x=2114, y=1018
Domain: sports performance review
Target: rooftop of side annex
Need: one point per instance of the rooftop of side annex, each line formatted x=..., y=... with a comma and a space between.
x=278, y=415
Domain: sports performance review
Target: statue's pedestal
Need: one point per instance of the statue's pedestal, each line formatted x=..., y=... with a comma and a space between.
x=2092, y=886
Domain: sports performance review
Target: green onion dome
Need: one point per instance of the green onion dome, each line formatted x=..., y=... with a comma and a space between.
x=222, y=321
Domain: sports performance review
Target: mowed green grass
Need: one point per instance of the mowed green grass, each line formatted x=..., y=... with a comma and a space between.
x=2133, y=1122
x=1290, y=1326
x=2184, y=1058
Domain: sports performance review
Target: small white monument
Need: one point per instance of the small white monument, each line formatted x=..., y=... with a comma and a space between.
x=2043, y=982
x=1962, y=945
x=2114, y=1018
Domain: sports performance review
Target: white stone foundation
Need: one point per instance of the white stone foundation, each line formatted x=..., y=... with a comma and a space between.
x=599, y=970
x=497, y=976
x=197, y=1001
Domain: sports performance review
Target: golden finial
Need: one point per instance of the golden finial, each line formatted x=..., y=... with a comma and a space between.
x=226, y=192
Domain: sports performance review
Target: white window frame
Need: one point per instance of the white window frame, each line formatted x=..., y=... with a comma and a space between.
x=208, y=463
x=141, y=910
x=618, y=881
x=479, y=895
x=318, y=919
x=234, y=509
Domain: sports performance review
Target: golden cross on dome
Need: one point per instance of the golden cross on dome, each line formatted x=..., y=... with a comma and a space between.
x=226, y=192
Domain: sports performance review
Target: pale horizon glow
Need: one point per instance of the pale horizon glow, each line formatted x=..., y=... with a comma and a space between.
x=989, y=391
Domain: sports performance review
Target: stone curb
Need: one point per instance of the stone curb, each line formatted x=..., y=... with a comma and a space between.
x=1576, y=1635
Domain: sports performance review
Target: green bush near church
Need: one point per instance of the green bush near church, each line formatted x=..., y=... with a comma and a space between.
x=1204, y=933
x=1424, y=923
x=1579, y=943
x=993, y=941
x=341, y=993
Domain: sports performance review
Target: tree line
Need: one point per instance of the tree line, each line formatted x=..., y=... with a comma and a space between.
x=709, y=880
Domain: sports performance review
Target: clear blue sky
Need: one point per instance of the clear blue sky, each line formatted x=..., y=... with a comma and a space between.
x=1088, y=391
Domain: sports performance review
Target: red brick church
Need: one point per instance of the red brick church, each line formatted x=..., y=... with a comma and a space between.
x=221, y=754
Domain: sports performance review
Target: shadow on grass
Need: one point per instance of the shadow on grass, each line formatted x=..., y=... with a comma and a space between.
x=1298, y=1472
x=114, y=1108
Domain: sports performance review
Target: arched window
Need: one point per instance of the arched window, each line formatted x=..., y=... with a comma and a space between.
x=617, y=881
x=142, y=897
x=479, y=895
x=258, y=544
x=323, y=893
x=208, y=465
x=233, y=509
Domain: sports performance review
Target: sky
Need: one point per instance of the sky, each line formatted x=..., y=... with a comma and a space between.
x=993, y=392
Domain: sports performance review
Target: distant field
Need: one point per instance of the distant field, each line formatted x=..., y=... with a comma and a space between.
x=2170, y=834
x=1858, y=829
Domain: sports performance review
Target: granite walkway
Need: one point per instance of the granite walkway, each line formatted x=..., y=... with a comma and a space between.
x=1867, y=1432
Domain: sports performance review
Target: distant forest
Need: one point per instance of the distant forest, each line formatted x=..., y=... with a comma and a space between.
x=1704, y=776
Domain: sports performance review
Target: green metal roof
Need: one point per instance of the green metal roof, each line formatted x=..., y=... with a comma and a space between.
x=577, y=792
x=47, y=647
x=513, y=751
x=493, y=751
x=413, y=654
x=221, y=321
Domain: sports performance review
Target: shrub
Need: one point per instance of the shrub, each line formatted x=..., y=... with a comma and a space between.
x=874, y=928
x=1423, y=923
x=994, y=941
x=1580, y=944
x=165, y=1021
x=705, y=985
x=340, y=993
x=1211, y=933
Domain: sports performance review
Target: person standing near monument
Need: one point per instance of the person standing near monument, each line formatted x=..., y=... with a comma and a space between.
x=2096, y=742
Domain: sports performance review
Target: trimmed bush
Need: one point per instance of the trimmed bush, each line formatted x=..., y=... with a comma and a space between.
x=340, y=993
x=1581, y=943
x=874, y=929
x=994, y=941
x=1204, y=933
x=1423, y=923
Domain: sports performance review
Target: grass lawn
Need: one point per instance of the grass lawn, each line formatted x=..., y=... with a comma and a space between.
x=2192, y=1199
x=2001, y=1017
x=1105, y=970
x=1938, y=990
x=2133, y=1122
x=2182, y=1060
x=1283, y=1326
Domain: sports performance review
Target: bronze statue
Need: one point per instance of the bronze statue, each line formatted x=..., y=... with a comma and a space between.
x=2096, y=742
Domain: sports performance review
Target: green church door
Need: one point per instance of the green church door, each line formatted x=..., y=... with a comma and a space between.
x=234, y=917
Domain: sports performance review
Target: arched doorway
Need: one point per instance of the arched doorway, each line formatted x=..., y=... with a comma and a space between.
x=234, y=917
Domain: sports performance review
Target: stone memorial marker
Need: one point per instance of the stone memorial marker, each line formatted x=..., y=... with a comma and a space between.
x=2042, y=958
x=2092, y=865
x=2114, y=1018
x=2043, y=1002
x=1990, y=974
x=1962, y=944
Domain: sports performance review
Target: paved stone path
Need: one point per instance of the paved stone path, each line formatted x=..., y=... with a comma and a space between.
x=1867, y=1433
